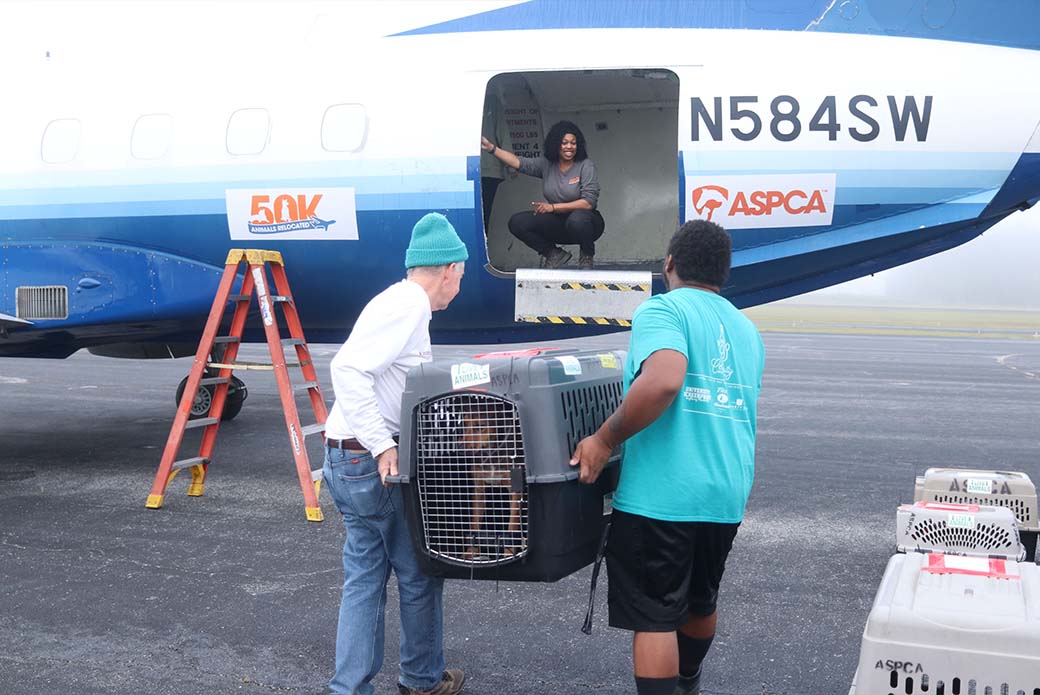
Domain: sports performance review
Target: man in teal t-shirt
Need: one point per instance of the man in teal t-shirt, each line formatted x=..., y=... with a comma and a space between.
x=692, y=380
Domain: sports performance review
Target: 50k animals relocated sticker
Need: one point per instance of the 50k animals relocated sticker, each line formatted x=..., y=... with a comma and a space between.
x=292, y=213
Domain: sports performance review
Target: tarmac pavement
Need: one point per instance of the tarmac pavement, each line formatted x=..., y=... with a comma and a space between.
x=235, y=592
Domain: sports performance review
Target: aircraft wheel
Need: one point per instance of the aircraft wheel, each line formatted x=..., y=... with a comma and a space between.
x=236, y=396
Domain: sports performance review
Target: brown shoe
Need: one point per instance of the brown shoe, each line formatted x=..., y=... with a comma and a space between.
x=556, y=257
x=451, y=683
x=585, y=262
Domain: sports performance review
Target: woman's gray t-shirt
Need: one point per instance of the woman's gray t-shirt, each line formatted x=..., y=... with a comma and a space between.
x=580, y=181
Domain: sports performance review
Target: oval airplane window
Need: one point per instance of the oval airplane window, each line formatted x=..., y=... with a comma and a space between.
x=248, y=131
x=343, y=128
x=61, y=140
x=151, y=136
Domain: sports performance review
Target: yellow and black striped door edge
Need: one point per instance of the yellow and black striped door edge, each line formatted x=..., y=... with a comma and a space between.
x=608, y=286
x=577, y=320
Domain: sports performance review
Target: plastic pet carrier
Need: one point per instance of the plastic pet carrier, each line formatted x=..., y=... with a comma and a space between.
x=959, y=529
x=952, y=625
x=995, y=488
x=485, y=462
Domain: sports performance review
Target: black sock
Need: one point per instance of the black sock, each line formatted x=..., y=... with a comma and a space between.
x=692, y=651
x=656, y=686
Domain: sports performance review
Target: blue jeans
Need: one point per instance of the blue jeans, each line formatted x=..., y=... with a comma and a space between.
x=378, y=541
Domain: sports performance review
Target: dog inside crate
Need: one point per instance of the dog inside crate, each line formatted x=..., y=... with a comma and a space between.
x=471, y=477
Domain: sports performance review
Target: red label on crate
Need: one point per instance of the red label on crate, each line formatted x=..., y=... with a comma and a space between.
x=939, y=563
x=948, y=506
x=530, y=352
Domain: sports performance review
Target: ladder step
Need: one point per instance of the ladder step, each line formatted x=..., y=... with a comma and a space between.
x=188, y=463
x=250, y=365
x=293, y=341
x=279, y=298
x=213, y=380
x=227, y=339
x=305, y=385
x=201, y=422
x=239, y=297
x=313, y=429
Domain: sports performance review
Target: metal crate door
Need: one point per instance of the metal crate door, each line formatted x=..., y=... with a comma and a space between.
x=472, y=479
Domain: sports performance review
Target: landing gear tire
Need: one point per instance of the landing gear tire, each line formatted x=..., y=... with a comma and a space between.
x=236, y=396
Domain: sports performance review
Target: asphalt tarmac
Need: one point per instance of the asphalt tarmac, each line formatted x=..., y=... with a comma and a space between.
x=235, y=592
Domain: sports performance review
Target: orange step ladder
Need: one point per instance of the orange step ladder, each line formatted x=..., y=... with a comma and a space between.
x=255, y=280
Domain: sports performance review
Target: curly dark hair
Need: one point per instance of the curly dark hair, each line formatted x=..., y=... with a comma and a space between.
x=701, y=252
x=551, y=149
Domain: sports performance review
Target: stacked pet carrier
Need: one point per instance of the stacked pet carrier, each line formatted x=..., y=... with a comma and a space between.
x=1012, y=490
x=485, y=462
x=958, y=610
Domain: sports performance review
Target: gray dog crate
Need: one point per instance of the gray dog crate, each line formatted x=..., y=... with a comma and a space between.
x=485, y=462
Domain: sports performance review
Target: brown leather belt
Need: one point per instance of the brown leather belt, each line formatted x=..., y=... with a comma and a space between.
x=351, y=444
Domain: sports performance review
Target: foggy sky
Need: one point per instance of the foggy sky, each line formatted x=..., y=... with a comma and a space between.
x=999, y=269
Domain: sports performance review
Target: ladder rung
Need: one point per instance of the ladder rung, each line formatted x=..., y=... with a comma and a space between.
x=316, y=475
x=305, y=385
x=227, y=339
x=239, y=297
x=188, y=463
x=278, y=298
x=293, y=341
x=213, y=380
x=248, y=365
x=201, y=422
x=313, y=429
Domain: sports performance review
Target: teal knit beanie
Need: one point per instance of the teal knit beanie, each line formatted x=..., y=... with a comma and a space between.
x=434, y=242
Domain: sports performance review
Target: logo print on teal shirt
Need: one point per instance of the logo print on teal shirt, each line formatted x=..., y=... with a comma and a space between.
x=718, y=365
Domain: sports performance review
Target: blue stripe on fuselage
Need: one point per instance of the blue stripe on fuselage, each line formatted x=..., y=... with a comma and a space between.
x=1013, y=25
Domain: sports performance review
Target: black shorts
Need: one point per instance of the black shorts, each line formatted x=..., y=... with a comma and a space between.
x=661, y=572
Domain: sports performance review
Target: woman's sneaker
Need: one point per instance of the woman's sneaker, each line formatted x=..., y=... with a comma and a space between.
x=450, y=684
x=555, y=257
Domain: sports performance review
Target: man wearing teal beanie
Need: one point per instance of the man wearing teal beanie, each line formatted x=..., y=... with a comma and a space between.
x=391, y=336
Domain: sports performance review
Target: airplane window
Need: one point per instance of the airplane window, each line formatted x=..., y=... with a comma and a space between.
x=61, y=140
x=248, y=131
x=343, y=128
x=151, y=136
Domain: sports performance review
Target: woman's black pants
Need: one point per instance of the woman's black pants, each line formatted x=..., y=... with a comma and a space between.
x=543, y=232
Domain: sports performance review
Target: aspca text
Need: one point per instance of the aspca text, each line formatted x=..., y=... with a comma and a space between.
x=784, y=118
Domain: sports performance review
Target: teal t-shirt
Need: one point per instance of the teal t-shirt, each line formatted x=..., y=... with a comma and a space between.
x=697, y=460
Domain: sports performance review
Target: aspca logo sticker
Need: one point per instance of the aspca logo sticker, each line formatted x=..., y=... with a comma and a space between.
x=742, y=202
x=306, y=213
x=708, y=199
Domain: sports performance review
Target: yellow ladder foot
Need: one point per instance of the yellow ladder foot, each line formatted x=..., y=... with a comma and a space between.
x=154, y=501
x=314, y=514
x=198, y=479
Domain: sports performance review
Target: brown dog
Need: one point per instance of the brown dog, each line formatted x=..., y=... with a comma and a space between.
x=489, y=470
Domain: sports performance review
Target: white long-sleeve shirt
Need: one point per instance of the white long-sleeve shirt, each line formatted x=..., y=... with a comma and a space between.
x=391, y=336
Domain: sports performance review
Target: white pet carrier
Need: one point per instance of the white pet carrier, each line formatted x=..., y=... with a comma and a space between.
x=952, y=625
x=959, y=529
x=994, y=488
x=485, y=462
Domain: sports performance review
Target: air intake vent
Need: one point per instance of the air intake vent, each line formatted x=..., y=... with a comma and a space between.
x=42, y=303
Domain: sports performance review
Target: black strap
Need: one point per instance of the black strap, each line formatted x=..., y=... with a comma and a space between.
x=587, y=627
